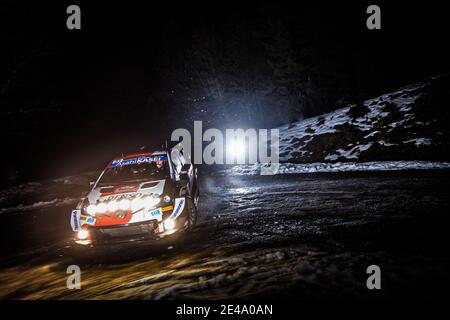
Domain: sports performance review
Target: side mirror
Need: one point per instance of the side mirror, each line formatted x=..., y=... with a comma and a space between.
x=184, y=172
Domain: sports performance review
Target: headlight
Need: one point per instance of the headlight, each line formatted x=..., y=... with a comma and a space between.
x=136, y=204
x=150, y=202
x=113, y=206
x=169, y=224
x=166, y=199
x=83, y=234
x=124, y=204
x=102, y=207
x=91, y=209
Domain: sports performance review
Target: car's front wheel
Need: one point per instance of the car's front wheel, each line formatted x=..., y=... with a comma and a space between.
x=192, y=213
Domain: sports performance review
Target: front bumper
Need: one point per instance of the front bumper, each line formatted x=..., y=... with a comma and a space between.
x=140, y=225
x=141, y=231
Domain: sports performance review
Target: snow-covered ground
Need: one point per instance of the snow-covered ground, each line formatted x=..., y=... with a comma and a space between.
x=39, y=205
x=37, y=195
x=403, y=125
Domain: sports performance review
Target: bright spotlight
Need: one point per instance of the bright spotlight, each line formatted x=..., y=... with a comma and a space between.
x=236, y=148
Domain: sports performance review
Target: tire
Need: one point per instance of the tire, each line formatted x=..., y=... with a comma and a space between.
x=197, y=195
x=192, y=213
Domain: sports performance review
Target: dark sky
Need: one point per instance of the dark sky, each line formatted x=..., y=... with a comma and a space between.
x=80, y=97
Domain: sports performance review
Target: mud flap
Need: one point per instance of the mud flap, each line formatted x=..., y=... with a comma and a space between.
x=75, y=220
x=178, y=207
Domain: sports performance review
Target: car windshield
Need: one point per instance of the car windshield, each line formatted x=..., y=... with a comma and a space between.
x=134, y=170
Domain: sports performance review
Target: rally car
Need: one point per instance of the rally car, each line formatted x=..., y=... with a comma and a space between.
x=146, y=195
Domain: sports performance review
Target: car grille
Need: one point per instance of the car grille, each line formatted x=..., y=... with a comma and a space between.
x=138, y=229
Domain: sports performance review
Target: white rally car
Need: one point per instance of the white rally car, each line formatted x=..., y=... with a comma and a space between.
x=145, y=195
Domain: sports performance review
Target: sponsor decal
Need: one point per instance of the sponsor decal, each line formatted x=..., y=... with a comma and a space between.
x=156, y=212
x=179, y=206
x=129, y=196
x=144, y=215
x=87, y=220
x=75, y=220
x=139, y=160
x=168, y=208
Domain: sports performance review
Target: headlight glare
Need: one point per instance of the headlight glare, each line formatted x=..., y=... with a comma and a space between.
x=136, y=204
x=113, y=205
x=83, y=234
x=124, y=204
x=91, y=209
x=102, y=207
x=169, y=224
x=150, y=202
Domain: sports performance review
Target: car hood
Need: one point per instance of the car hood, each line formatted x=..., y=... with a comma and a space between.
x=128, y=190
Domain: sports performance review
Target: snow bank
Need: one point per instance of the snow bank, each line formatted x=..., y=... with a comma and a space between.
x=401, y=125
x=39, y=205
x=298, y=168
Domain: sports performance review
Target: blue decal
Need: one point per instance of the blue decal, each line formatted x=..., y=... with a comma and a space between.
x=155, y=212
x=139, y=160
x=179, y=208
